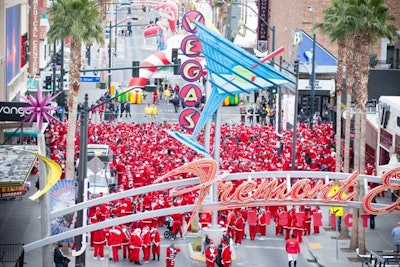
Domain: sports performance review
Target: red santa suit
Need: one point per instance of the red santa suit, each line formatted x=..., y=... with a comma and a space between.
x=146, y=238
x=226, y=258
x=135, y=244
x=263, y=218
x=239, y=228
x=177, y=224
x=114, y=241
x=211, y=255
x=125, y=241
x=155, y=243
x=99, y=241
x=252, y=220
x=205, y=218
x=231, y=224
x=170, y=255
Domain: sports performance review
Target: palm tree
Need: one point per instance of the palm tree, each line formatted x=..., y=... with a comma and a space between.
x=361, y=22
x=328, y=27
x=79, y=20
x=370, y=20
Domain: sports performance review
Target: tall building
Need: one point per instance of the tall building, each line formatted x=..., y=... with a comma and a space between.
x=24, y=50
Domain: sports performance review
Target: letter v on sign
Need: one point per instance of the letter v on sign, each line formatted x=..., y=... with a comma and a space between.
x=189, y=18
x=206, y=170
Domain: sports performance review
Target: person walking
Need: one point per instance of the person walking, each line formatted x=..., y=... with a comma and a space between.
x=59, y=259
x=293, y=250
x=396, y=236
x=170, y=255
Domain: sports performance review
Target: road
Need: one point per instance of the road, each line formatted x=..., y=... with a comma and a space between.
x=20, y=223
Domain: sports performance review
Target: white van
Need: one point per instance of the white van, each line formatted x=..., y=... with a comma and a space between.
x=103, y=181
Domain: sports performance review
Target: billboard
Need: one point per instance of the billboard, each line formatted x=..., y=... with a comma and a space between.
x=13, y=42
x=12, y=111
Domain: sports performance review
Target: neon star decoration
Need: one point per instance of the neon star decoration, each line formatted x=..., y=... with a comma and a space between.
x=40, y=108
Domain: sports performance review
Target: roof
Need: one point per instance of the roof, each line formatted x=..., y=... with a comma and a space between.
x=16, y=164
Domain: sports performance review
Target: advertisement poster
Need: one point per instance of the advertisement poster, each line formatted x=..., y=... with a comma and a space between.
x=62, y=196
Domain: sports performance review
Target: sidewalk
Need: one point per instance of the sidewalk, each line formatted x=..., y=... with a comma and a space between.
x=327, y=251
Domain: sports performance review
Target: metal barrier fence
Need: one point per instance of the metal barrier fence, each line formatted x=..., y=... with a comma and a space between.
x=12, y=253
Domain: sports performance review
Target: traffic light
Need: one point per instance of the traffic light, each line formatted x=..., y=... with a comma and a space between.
x=175, y=60
x=296, y=67
x=58, y=58
x=174, y=54
x=274, y=90
x=88, y=54
x=135, y=71
x=47, y=83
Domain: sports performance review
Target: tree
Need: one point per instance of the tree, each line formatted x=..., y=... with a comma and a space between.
x=336, y=34
x=79, y=20
x=361, y=22
x=370, y=20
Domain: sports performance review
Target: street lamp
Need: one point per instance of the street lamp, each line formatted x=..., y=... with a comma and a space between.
x=82, y=170
x=312, y=78
x=109, y=49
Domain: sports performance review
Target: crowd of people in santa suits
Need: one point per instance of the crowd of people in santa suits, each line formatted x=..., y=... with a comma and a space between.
x=143, y=152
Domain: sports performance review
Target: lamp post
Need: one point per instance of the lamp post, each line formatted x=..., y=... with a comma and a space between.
x=82, y=170
x=296, y=95
x=312, y=78
x=109, y=49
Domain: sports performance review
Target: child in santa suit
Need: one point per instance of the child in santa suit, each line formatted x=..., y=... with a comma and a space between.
x=170, y=255
x=211, y=254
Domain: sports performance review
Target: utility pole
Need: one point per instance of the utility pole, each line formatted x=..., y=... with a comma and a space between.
x=312, y=78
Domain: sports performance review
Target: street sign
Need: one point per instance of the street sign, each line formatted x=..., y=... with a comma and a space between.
x=89, y=79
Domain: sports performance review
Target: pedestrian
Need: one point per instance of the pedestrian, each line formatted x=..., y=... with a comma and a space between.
x=170, y=255
x=59, y=259
x=115, y=242
x=242, y=111
x=226, y=255
x=147, y=112
x=155, y=243
x=128, y=109
x=154, y=113
x=99, y=241
x=211, y=255
x=293, y=250
x=396, y=236
x=135, y=244
x=175, y=102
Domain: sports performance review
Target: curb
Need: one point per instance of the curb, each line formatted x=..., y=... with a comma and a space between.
x=317, y=259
